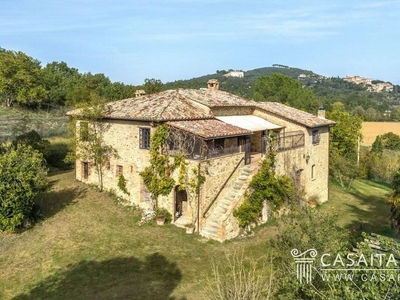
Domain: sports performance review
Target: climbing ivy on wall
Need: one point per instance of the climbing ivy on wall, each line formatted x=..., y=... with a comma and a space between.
x=157, y=176
x=268, y=186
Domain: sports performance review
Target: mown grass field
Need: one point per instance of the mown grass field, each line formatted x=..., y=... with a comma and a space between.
x=371, y=130
x=88, y=247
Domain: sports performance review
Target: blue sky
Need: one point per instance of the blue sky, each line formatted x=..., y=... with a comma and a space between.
x=129, y=41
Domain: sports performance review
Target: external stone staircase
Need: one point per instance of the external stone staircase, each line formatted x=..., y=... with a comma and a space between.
x=220, y=224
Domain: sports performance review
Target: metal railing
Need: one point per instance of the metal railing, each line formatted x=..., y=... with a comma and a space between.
x=220, y=151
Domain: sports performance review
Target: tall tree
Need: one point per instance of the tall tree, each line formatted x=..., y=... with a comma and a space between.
x=283, y=89
x=344, y=139
x=20, y=79
x=152, y=86
x=345, y=134
x=59, y=80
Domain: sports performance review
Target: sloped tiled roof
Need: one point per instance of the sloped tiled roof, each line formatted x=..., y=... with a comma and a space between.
x=293, y=114
x=163, y=106
x=214, y=98
x=190, y=104
x=208, y=129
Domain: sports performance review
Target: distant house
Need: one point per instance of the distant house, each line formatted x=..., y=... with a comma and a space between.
x=223, y=135
x=239, y=74
x=302, y=76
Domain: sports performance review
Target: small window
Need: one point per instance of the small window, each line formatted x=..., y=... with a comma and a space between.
x=313, y=172
x=120, y=171
x=315, y=137
x=84, y=131
x=144, y=138
x=108, y=165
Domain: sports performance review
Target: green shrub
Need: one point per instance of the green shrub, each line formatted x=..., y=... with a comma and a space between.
x=56, y=156
x=122, y=184
x=22, y=176
x=266, y=185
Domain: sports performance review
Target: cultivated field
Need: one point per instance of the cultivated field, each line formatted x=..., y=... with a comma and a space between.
x=371, y=130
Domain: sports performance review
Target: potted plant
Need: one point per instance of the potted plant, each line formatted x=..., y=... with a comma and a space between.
x=161, y=215
x=312, y=203
x=189, y=228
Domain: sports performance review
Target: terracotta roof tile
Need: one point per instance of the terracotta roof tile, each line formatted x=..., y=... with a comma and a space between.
x=209, y=129
x=293, y=114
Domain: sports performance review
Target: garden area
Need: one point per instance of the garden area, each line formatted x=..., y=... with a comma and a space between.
x=89, y=247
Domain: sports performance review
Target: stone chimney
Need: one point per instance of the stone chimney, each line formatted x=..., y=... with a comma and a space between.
x=213, y=84
x=321, y=112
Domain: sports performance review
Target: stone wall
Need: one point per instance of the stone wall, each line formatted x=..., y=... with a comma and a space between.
x=218, y=170
x=311, y=173
x=124, y=137
x=232, y=111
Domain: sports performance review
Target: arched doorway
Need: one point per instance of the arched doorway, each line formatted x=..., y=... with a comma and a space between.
x=181, y=203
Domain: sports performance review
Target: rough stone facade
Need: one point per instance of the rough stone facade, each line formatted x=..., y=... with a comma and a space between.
x=226, y=176
x=308, y=165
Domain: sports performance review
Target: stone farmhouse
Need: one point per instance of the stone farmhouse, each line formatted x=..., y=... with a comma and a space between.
x=224, y=137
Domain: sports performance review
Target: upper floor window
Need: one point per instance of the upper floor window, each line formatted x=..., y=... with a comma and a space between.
x=315, y=137
x=144, y=138
x=84, y=131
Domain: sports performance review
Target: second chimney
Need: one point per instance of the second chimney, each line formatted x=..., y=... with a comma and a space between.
x=321, y=112
x=213, y=84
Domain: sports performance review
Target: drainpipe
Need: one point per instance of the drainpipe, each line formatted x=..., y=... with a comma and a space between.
x=198, y=213
x=198, y=205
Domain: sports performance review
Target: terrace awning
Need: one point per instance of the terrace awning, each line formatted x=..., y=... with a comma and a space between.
x=249, y=122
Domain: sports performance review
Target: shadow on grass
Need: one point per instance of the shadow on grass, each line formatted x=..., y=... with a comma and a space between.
x=373, y=219
x=54, y=201
x=120, y=278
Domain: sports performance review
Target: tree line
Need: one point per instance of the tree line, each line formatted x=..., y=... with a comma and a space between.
x=24, y=82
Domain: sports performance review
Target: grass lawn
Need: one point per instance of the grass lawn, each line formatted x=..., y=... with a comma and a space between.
x=88, y=247
x=362, y=208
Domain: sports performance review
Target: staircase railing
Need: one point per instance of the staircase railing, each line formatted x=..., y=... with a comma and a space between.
x=221, y=188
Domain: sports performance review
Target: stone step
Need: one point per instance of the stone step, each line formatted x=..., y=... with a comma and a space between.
x=237, y=186
x=242, y=177
x=212, y=223
x=209, y=233
x=224, y=204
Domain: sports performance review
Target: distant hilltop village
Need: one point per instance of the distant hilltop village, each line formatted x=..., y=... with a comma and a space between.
x=377, y=86
x=372, y=87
